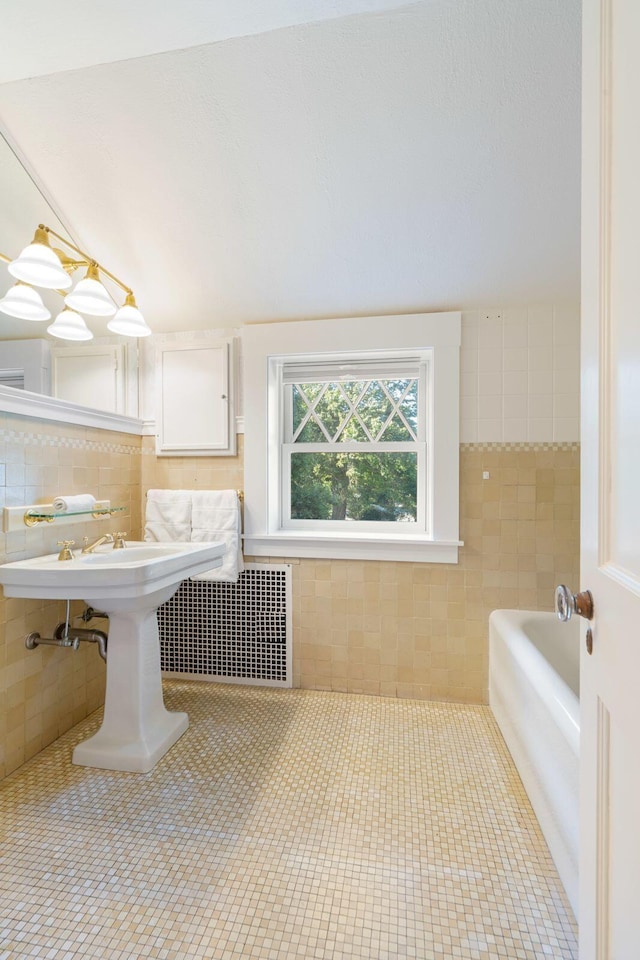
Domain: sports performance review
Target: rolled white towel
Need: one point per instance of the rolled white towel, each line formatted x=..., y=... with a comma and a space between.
x=75, y=503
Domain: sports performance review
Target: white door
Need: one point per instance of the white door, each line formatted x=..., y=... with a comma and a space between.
x=609, y=912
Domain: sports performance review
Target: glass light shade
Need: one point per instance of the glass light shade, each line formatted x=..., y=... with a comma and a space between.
x=39, y=265
x=89, y=296
x=25, y=303
x=128, y=321
x=69, y=326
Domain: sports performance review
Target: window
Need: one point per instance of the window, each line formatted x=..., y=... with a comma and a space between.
x=353, y=445
x=351, y=438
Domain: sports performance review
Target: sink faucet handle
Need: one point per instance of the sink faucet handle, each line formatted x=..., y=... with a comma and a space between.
x=118, y=540
x=65, y=553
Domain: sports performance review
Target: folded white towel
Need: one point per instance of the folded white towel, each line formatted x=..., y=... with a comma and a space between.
x=168, y=515
x=215, y=516
x=74, y=503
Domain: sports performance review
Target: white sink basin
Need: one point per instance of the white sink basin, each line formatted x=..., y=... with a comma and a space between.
x=133, y=553
x=138, y=569
x=129, y=584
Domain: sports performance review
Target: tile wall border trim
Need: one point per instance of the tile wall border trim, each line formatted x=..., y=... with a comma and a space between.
x=519, y=447
x=27, y=438
x=51, y=439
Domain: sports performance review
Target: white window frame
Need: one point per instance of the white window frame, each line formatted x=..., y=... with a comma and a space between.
x=267, y=348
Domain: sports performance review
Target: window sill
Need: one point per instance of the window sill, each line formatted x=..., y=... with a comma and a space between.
x=344, y=547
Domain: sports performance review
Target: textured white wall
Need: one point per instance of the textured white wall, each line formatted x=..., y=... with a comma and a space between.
x=68, y=36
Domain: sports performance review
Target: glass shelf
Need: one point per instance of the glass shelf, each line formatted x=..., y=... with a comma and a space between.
x=34, y=516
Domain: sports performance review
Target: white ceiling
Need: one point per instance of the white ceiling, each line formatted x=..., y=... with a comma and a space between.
x=414, y=158
x=51, y=38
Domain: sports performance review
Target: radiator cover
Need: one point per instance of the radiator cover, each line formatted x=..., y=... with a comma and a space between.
x=230, y=632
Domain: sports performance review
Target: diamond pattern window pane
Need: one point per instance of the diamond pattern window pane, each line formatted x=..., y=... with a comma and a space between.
x=312, y=390
x=300, y=408
x=409, y=404
x=396, y=430
x=332, y=409
x=353, y=432
x=356, y=411
x=311, y=433
x=374, y=409
x=353, y=389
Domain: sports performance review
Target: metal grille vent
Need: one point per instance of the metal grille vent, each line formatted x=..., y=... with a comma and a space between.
x=235, y=632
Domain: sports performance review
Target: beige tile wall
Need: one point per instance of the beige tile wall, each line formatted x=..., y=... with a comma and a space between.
x=46, y=691
x=420, y=630
x=191, y=473
x=394, y=629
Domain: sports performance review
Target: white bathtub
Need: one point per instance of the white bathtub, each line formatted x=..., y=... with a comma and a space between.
x=534, y=671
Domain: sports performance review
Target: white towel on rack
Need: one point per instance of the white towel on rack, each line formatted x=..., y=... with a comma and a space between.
x=215, y=515
x=74, y=503
x=168, y=515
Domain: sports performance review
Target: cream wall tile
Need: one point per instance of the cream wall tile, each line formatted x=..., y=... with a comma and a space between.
x=536, y=349
x=541, y=358
x=514, y=429
x=469, y=431
x=566, y=326
x=490, y=431
x=469, y=383
x=490, y=384
x=490, y=359
x=515, y=383
x=516, y=359
x=565, y=430
x=516, y=332
x=540, y=382
x=516, y=406
x=490, y=408
x=566, y=405
x=420, y=630
x=540, y=406
x=48, y=690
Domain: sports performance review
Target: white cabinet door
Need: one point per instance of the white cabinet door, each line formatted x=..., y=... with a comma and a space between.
x=93, y=376
x=26, y=365
x=194, y=399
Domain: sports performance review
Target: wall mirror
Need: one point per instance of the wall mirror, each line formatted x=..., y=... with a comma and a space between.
x=34, y=366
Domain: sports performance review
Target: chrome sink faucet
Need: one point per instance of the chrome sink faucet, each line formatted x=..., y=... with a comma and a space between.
x=90, y=547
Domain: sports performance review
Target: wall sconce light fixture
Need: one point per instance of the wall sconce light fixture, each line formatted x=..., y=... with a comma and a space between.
x=41, y=265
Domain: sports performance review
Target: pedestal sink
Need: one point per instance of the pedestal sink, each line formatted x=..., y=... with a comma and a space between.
x=129, y=585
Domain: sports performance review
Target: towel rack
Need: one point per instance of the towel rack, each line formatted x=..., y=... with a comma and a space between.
x=240, y=494
x=16, y=518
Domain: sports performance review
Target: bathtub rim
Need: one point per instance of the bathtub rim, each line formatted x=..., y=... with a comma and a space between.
x=561, y=701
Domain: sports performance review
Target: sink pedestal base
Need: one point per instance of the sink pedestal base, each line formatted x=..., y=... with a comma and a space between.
x=137, y=729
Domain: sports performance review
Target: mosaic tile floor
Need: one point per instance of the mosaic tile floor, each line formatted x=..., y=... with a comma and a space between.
x=284, y=824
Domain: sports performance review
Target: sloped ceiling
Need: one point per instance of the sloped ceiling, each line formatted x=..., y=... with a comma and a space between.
x=414, y=158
